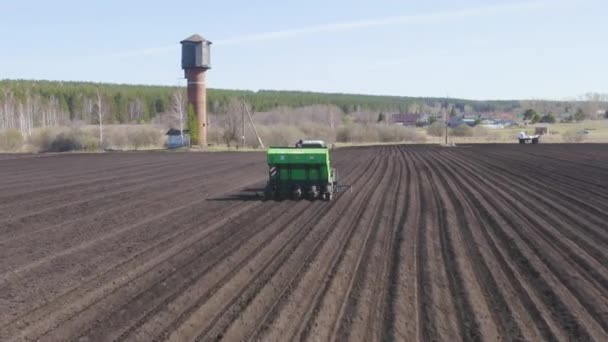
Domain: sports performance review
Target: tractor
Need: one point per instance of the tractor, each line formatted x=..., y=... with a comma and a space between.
x=303, y=171
x=527, y=139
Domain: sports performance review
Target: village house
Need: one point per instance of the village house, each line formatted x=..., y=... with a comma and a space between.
x=177, y=138
x=407, y=119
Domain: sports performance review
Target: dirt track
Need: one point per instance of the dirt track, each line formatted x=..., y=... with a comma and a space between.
x=470, y=243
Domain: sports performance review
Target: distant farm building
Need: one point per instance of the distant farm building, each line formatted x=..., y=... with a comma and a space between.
x=455, y=121
x=469, y=121
x=407, y=119
x=541, y=128
x=177, y=138
x=492, y=124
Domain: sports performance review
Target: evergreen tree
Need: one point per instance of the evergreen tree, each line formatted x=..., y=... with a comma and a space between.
x=529, y=114
x=535, y=118
x=381, y=117
x=579, y=115
x=453, y=112
x=192, y=125
x=549, y=118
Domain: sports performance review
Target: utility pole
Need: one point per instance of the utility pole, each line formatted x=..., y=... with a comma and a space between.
x=253, y=125
x=179, y=103
x=446, y=118
x=446, y=126
x=100, y=118
x=243, y=122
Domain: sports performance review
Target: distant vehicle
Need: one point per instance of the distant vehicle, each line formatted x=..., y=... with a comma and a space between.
x=493, y=126
x=527, y=139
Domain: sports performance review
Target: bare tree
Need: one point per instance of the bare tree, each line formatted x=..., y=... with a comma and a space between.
x=332, y=124
x=26, y=111
x=22, y=121
x=7, y=113
x=99, y=111
x=49, y=109
x=230, y=121
x=135, y=109
x=593, y=104
x=177, y=109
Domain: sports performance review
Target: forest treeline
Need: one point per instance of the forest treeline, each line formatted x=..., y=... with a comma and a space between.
x=50, y=103
x=26, y=104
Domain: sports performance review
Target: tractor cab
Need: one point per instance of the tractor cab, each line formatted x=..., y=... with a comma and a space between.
x=312, y=144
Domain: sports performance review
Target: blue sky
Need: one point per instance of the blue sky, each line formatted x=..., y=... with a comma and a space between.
x=468, y=49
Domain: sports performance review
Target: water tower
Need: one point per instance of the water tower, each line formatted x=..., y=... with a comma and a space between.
x=196, y=61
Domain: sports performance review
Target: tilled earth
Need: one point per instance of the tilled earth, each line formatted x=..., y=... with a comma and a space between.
x=484, y=242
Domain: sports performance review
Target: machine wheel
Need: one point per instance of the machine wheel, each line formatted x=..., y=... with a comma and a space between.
x=297, y=193
x=268, y=193
x=522, y=141
x=313, y=193
x=535, y=141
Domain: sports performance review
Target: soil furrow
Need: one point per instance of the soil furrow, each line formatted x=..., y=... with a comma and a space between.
x=475, y=242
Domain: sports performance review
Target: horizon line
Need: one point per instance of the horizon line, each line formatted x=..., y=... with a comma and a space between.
x=566, y=99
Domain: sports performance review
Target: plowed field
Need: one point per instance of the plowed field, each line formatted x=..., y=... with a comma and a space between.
x=496, y=242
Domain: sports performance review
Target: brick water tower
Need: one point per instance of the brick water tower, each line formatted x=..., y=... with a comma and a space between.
x=195, y=62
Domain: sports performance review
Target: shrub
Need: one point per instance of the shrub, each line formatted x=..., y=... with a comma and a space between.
x=277, y=135
x=347, y=119
x=345, y=134
x=462, y=131
x=131, y=137
x=436, y=129
x=73, y=140
x=214, y=136
x=480, y=131
x=485, y=133
x=90, y=142
x=389, y=133
x=573, y=136
x=64, y=142
x=398, y=134
x=353, y=133
x=41, y=139
x=144, y=136
x=115, y=138
x=316, y=131
x=357, y=133
x=11, y=140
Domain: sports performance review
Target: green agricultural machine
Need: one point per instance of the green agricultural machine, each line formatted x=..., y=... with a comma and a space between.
x=304, y=171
